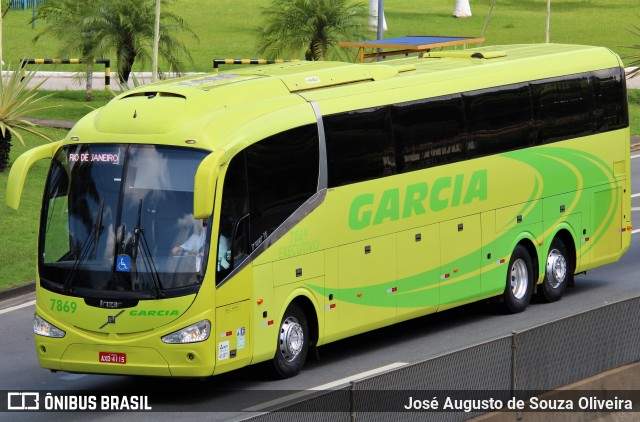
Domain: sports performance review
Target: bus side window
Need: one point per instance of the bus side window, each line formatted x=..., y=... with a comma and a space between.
x=610, y=99
x=360, y=146
x=499, y=119
x=282, y=171
x=429, y=132
x=563, y=108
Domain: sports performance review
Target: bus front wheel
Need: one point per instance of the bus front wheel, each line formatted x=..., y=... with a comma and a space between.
x=517, y=292
x=557, y=272
x=293, y=342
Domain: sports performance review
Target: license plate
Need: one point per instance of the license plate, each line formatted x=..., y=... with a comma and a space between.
x=112, y=357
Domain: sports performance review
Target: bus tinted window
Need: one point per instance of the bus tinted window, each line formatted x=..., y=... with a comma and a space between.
x=283, y=173
x=429, y=132
x=499, y=119
x=441, y=130
x=359, y=146
x=562, y=108
x=610, y=100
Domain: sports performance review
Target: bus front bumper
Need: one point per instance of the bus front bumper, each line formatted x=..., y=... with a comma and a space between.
x=188, y=360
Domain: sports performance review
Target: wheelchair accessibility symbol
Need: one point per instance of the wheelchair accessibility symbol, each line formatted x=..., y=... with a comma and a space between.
x=123, y=264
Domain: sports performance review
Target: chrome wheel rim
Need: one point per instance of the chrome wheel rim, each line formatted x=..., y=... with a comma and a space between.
x=291, y=339
x=556, y=268
x=519, y=279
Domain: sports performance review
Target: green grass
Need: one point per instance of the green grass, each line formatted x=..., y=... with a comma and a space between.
x=70, y=105
x=19, y=230
x=634, y=111
x=226, y=29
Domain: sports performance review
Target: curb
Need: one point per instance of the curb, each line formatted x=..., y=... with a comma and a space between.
x=57, y=124
x=14, y=292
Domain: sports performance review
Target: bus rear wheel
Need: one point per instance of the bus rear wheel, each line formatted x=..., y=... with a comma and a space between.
x=293, y=342
x=517, y=292
x=557, y=272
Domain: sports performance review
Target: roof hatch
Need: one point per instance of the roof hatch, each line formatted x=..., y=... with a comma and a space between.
x=465, y=54
x=322, y=78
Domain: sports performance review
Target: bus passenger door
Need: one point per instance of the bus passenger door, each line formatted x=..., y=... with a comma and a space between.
x=234, y=288
x=418, y=272
x=460, y=248
x=233, y=328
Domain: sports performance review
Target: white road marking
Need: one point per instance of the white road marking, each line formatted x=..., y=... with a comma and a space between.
x=72, y=377
x=327, y=386
x=635, y=156
x=635, y=231
x=635, y=195
x=15, y=308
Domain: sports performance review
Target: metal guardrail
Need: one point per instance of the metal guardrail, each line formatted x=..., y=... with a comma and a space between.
x=525, y=364
x=105, y=62
x=21, y=4
x=218, y=62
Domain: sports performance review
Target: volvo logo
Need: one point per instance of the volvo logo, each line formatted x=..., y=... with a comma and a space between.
x=111, y=319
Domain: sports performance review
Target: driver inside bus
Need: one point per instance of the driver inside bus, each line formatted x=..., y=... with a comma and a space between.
x=195, y=243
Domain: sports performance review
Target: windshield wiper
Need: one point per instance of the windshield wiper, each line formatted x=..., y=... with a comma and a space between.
x=147, y=257
x=93, y=238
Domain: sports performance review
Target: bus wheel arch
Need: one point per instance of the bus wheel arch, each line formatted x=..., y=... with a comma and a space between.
x=297, y=334
x=521, y=276
x=311, y=314
x=559, y=267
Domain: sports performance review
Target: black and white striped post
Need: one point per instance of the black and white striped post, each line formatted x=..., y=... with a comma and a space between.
x=218, y=62
x=106, y=62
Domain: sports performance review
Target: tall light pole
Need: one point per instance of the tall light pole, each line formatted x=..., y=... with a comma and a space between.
x=546, y=37
x=156, y=41
x=380, y=19
x=380, y=24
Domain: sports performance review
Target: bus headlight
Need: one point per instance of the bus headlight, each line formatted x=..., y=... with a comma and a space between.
x=46, y=329
x=192, y=334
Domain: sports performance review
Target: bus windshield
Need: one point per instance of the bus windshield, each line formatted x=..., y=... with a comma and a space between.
x=118, y=220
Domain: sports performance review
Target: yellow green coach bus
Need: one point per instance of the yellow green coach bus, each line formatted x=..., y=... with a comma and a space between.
x=194, y=226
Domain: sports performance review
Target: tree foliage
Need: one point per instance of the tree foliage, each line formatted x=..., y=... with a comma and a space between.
x=121, y=27
x=635, y=63
x=17, y=101
x=310, y=27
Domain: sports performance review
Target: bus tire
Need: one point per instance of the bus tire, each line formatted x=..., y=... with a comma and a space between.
x=557, y=272
x=517, y=292
x=293, y=342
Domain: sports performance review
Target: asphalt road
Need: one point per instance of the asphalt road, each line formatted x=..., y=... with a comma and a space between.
x=251, y=387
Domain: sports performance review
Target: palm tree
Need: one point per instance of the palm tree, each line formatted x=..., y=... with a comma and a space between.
x=17, y=101
x=64, y=18
x=123, y=27
x=373, y=16
x=310, y=27
x=635, y=59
